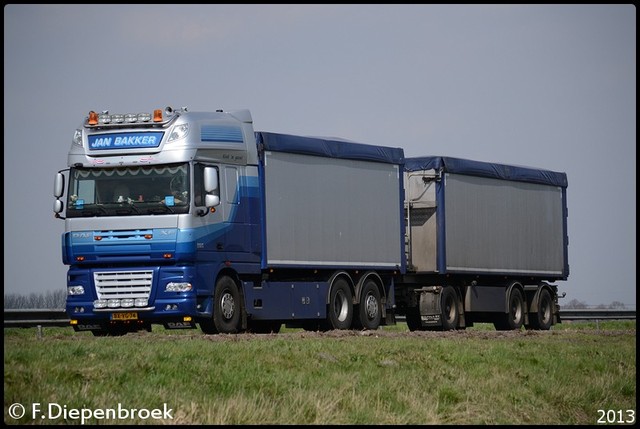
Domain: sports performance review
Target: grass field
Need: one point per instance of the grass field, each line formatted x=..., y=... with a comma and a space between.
x=577, y=373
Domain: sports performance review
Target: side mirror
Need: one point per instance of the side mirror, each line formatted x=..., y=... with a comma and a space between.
x=58, y=185
x=58, y=206
x=210, y=179
x=211, y=200
x=211, y=184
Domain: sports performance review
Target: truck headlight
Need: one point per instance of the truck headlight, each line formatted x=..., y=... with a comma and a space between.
x=75, y=290
x=178, y=287
x=100, y=303
x=141, y=302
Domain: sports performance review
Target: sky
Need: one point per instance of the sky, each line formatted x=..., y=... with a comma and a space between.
x=546, y=86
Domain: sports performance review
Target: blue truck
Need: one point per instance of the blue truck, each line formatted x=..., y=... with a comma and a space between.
x=194, y=219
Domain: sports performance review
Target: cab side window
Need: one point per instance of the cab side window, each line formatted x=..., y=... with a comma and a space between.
x=198, y=185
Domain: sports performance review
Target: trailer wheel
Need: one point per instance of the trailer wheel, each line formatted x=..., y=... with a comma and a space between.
x=340, y=305
x=449, y=305
x=514, y=319
x=543, y=318
x=227, y=306
x=369, y=309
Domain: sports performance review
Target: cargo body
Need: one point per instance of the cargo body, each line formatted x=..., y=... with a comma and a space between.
x=193, y=219
x=323, y=198
x=486, y=219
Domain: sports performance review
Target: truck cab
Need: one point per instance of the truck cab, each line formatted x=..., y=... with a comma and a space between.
x=155, y=206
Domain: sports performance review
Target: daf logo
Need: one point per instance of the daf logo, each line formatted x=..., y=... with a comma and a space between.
x=81, y=234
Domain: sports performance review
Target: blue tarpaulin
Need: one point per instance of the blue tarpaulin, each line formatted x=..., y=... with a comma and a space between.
x=487, y=169
x=331, y=148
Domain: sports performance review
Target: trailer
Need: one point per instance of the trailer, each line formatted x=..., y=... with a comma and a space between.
x=484, y=241
x=190, y=219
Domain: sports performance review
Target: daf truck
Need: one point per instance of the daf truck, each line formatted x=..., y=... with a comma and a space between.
x=194, y=219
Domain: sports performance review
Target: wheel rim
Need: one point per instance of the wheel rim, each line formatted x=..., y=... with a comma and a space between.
x=227, y=305
x=371, y=306
x=341, y=306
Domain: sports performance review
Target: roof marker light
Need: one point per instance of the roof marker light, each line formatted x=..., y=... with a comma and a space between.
x=93, y=118
x=157, y=115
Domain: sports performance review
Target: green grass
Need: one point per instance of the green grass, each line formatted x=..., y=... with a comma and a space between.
x=391, y=376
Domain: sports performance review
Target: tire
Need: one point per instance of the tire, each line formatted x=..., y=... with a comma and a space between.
x=543, y=318
x=227, y=307
x=340, y=311
x=208, y=327
x=369, y=314
x=514, y=319
x=449, y=307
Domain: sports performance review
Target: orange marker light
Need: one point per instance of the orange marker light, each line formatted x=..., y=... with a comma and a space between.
x=157, y=115
x=93, y=118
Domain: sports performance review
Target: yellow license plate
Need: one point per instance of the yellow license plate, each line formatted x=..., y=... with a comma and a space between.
x=124, y=316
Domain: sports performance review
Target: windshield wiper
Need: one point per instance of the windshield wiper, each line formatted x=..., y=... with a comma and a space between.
x=129, y=208
x=159, y=209
x=92, y=211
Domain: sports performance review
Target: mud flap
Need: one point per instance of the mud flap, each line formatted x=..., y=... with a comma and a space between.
x=429, y=305
x=180, y=325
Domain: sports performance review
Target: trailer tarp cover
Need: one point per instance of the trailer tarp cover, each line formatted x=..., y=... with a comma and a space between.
x=330, y=148
x=486, y=169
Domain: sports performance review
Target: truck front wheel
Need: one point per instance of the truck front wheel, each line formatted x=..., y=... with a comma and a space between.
x=227, y=306
x=340, y=305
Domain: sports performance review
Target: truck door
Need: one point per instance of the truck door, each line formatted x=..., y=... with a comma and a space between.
x=237, y=236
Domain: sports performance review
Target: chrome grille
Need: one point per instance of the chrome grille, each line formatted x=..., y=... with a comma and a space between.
x=123, y=284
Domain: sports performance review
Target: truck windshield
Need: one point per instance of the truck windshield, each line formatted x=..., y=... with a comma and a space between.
x=123, y=191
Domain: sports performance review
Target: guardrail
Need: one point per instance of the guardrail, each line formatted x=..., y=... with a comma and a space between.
x=28, y=318
x=597, y=314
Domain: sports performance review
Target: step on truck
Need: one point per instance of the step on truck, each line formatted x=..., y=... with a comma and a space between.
x=193, y=219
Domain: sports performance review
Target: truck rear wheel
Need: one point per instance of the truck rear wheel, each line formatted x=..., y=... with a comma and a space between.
x=340, y=311
x=369, y=312
x=227, y=306
x=543, y=318
x=514, y=318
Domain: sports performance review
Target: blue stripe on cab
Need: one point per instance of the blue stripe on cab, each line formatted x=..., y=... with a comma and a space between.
x=221, y=133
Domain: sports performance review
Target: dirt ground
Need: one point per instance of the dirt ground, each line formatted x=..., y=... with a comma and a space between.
x=467, y=333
